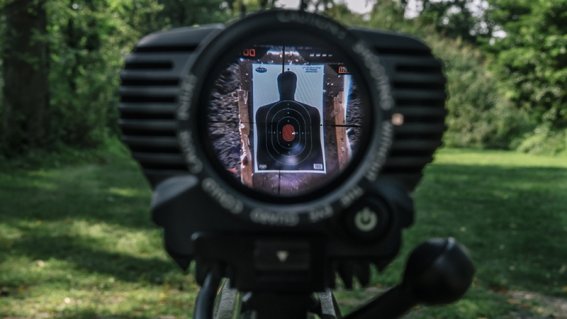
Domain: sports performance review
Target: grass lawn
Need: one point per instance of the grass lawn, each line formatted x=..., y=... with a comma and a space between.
x=76, y=240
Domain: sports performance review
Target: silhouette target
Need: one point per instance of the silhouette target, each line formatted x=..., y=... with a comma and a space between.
x=288, y=132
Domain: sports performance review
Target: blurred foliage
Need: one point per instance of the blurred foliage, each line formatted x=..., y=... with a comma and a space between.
x=533, y=56
x=480, y=115
x=87, y=41
x=544, y=140
x=505, y=60
x=462, y=19
x=525, y=45
x=189, y=12
x=85, y=46
x=505, y=64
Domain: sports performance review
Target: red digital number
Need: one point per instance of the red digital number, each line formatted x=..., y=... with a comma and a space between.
x=249, y=53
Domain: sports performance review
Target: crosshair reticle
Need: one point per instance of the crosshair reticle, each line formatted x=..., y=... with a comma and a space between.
x=285, y=119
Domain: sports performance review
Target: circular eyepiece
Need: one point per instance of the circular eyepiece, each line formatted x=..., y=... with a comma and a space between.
x=285, y=107
x=285, y=116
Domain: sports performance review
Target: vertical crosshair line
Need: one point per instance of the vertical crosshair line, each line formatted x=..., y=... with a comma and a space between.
x=279, y=182
x=283, y=59
x=280, y=172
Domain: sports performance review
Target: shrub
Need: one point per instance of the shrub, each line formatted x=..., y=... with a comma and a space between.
x=479, y=113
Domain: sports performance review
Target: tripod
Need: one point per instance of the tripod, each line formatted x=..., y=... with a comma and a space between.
x=438, y=271
x=230, y=304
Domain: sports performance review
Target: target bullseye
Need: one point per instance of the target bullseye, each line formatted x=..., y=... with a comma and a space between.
x=288, y=133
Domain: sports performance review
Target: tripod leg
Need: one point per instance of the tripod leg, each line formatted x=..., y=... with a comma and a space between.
x=329, y=309
x=205, y=302
x=338, y=313
x=228, y=302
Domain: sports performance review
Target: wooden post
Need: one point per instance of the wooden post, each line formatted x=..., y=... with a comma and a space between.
x=246, y=160
x=343, y=148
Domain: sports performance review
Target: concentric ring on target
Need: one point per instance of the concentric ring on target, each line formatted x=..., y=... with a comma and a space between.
x=302, y=129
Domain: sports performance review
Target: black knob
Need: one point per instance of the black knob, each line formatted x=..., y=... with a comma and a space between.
x=438, y=271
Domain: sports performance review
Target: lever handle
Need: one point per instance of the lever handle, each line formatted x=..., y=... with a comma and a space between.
x=438, y=271
x=391, y=304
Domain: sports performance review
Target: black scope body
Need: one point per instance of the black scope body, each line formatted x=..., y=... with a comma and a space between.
x=283, y=142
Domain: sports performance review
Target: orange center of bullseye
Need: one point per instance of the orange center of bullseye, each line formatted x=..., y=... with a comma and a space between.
x=288, y=133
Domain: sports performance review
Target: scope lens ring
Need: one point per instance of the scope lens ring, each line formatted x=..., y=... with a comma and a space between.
x=194, y=119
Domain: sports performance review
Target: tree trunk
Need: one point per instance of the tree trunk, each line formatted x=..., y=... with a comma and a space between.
x=25, y=121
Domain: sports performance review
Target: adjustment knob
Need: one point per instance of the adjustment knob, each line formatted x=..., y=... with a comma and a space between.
x=438, y=271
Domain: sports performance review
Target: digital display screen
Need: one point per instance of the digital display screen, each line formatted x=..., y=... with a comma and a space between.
x=285, y=120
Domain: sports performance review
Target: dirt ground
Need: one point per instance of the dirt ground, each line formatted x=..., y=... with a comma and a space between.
x=537, y=306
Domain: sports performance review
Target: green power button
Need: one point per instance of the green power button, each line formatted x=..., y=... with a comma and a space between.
x=366, y=220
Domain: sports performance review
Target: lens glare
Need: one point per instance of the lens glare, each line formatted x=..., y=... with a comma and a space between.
x=285, y=120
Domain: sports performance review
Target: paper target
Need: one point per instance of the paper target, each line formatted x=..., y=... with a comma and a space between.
x=289, y=138
x=288, y=134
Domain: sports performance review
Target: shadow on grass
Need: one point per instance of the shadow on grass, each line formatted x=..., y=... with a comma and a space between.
x=84, y=256
x=93, y=314
x=113, y=193
x=514, y=220
x=110, y=201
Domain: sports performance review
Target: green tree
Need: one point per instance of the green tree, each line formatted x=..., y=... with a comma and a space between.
x=190, y=12
x=88, y=41
x=67, y=95
x=479, y=114
x=462, y=19
x=532, y=56
x=25, y=57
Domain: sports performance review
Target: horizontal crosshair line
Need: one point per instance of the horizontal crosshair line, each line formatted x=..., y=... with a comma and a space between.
x=325, y=125
x=341, y=125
